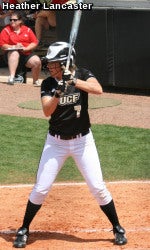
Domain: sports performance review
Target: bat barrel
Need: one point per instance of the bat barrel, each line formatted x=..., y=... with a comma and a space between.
x=74, y=32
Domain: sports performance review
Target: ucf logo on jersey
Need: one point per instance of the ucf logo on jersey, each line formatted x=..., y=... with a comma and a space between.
x=69, y=99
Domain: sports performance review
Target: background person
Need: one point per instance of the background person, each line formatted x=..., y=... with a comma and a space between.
x=64, y=97
x=21, y=41
x=44, y=20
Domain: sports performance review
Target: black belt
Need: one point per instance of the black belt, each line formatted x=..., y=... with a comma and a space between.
x=69, y=137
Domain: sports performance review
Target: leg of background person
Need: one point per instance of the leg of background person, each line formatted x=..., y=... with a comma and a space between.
x=39, y=24
x=34, y=63
x=51, y=17
x=13, y=60
x=45, y=24
x=44, y=20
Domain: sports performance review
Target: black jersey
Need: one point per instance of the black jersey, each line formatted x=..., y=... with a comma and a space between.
x=71, y=114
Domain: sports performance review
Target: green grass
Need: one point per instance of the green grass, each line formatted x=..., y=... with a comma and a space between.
x=94, y=103
x=124, y=151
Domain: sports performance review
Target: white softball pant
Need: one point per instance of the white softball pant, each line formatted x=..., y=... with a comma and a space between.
x=84, y=152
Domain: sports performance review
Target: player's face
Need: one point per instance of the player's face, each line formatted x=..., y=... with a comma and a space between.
x=55, y=70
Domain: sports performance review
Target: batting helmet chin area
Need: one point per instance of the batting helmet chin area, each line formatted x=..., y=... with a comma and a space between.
x=58, y=52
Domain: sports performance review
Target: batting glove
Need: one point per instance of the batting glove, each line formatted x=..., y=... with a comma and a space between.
x=61, y=89
x=68, y=77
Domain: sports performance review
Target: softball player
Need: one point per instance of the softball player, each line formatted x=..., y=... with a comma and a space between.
x=64, y=97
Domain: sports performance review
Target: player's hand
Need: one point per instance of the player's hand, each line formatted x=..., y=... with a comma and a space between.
x=61, y=88
x=68, y=77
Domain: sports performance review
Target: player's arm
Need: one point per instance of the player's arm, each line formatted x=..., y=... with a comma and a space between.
x=91, y=85
x=49, y=104
x=50, y=95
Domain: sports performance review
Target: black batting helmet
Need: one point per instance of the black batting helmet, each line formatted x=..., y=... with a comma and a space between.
x=58, y=52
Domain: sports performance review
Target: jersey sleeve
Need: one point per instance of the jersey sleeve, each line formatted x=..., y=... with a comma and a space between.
x=84, y=74
x=48, y=87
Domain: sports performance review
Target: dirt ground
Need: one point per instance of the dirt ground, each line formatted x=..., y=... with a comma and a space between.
x=133, y=110
x=70, y=218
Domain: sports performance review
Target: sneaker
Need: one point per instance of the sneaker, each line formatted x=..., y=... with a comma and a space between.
x=21, y=238
x=37, y=83
x=18, y=79
x=119, y=234
x=11, y=80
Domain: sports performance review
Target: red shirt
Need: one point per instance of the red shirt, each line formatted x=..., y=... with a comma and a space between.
x=26, y=36
x=13, y=1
